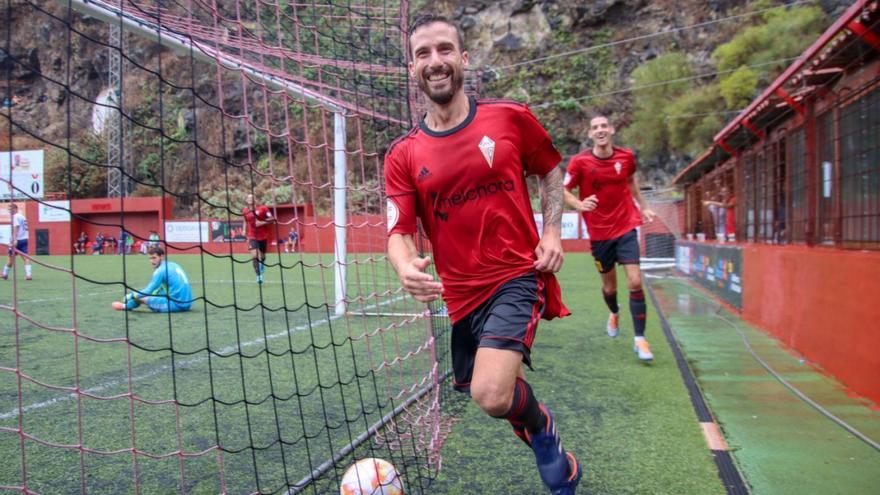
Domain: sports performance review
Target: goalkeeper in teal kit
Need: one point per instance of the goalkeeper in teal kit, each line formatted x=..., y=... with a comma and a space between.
x=168, y=292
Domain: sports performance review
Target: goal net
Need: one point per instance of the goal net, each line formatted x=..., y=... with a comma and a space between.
x=152, y=122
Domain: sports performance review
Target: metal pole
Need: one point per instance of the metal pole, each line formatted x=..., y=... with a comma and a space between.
x=340, y=220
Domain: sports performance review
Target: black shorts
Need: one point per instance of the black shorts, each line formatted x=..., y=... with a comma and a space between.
x=21, y=246
x=258, y=245
x=623, y=250
x=507, y=320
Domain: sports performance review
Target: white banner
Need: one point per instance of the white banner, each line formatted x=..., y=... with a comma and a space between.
x=570, y=225
x=26, y=174
x=5, y=234
x=187, y=232
x=55, y=211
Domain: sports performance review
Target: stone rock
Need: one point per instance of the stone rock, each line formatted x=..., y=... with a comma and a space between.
x=509, y=43
x=498, y=29
x=522, y=7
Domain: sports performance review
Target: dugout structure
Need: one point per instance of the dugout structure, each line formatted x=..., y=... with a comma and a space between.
x=803, y=160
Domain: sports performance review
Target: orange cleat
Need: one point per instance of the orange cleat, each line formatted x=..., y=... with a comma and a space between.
x=613, y=328
x=643, y=350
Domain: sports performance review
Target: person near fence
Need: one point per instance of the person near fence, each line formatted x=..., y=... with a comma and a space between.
x=612, y=205
x=461, y=172
x=258, y=219
x=18, y=243
x=81, y=244
x=292, y=241
x=98, y=245
x=723, y=214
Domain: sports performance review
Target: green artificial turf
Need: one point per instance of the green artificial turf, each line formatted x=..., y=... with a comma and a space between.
x=631, y=425
x=267, y=372
x=281, y=365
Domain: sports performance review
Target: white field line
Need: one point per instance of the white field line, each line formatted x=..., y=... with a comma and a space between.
x=180, y=364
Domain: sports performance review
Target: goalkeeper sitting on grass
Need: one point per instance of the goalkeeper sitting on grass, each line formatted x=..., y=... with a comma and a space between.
x=168, y=291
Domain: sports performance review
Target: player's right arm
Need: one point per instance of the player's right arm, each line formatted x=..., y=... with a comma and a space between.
x=16, y=226
x=570, y=182
x=410, y=268
x=588, y=204
x=402, y=218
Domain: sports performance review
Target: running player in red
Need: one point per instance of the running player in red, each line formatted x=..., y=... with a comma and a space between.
x=258, y=220
x=461, y=172
x=605, y=177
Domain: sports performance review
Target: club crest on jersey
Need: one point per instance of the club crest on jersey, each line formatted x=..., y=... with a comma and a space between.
x=617, y=167
x=487, y=147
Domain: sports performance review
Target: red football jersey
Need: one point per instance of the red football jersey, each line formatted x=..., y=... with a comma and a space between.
x=608, y=178
x=260, y=233
x=467, y=186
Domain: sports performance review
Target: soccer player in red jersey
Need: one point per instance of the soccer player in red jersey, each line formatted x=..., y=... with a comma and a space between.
x=258, y=220
x=461, y=172
x=605, y=177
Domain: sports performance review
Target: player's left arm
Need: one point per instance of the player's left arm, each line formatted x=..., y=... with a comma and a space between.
x=269, y=219
x=647, y=213
x=541, y=158
x=549, y=250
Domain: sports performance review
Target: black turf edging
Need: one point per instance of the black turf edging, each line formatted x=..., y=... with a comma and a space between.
x=730, y=475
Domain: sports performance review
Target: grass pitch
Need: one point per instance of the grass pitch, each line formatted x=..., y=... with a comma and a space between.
x=631, y=425
x=271, y=375
x=267, y=371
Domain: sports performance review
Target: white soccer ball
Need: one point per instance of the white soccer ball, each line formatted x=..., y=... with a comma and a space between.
x=371, y=477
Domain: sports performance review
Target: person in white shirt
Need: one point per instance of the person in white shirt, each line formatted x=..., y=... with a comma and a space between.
x=18, y=243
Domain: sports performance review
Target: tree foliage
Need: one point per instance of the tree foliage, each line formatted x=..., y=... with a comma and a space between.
x=661, y=80
x=739, y=87
x=673, y=117
x=693, y=118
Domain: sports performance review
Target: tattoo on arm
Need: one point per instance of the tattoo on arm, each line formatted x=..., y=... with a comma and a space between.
x=550, y=186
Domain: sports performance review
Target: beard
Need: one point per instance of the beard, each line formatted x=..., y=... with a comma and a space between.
x=443, y=96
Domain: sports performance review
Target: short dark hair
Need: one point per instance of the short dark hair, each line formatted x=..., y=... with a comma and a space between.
x=158, y=251
x=423, y=20
x=595, y=114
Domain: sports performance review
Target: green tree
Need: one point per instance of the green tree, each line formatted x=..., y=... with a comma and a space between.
x=660, y=82
x=672, y=117
x=83, y=172
x=693, y=119
x=739, y=87
x=760, y=52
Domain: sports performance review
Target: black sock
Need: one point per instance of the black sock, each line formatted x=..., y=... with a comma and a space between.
x=639, y=311
x=611, y=301
x=525, y=413
x=256, y=262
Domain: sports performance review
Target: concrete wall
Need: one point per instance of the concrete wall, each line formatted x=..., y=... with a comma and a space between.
x=821, y=302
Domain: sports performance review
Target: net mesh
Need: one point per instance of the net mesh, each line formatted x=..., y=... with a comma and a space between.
x=657, y=238
x=182, y=108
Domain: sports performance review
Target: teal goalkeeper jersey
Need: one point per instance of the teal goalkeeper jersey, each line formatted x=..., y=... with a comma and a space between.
x=169, y=278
